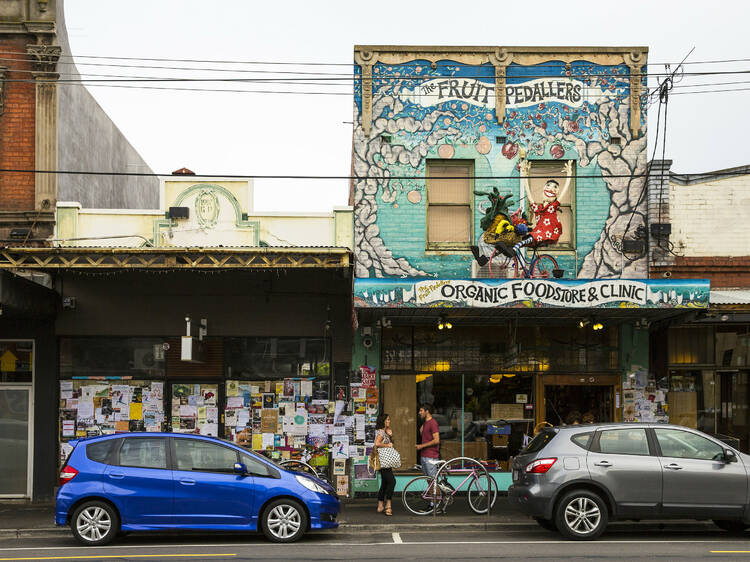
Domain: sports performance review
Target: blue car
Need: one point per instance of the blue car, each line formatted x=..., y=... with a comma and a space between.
x=169, y=481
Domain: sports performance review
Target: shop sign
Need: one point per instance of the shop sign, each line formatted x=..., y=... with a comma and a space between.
x=531, y=293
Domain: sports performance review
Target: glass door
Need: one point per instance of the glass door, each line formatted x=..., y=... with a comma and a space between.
x=15, y=441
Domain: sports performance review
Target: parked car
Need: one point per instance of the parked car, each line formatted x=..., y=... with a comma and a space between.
x=576, y=479
x=168, y=481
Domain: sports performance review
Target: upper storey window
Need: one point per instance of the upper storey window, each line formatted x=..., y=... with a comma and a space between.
x=449, y=204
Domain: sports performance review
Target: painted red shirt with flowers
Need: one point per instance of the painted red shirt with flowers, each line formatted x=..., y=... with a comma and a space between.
x=548, y=227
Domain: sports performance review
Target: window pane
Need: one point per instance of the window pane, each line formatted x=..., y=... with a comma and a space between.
x=686, y=445
x=582, y=439
x=99, y=452
x=144, y=453
x=134, y=357
x=543, y=171
x=17, y=361
x=254, y=466
x=192, y=454
x=449, y=224
x=624, y=442
x=451, y=189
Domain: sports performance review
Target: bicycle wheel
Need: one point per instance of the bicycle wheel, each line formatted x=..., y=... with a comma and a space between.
x=481, y=493
x=416, y=498
x=543, y=266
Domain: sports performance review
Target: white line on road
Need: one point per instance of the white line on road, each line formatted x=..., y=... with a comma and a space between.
x=396, y=538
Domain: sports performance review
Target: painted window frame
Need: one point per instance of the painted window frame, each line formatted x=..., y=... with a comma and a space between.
x=559, y=246
x=452, y=246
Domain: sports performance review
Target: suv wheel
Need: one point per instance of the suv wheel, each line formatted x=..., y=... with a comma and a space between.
x=284, y=520
x=581, y=515
x=95, y=523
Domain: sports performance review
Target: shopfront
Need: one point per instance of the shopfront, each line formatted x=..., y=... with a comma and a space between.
x=493, y=366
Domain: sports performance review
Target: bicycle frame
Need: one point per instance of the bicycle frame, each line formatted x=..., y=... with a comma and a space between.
x=472, y=473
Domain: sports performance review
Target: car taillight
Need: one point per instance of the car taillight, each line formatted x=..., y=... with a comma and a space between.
x=540, y=466
x=67, y=474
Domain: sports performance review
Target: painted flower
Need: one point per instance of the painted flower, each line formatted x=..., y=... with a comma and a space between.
x=546, y=222
x=541, y=107
x=549, y=234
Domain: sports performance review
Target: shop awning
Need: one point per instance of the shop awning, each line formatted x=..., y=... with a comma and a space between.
x=730, y=296
x=22, y=298
x=175, y=258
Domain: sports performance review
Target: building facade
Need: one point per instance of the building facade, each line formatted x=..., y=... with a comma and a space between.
x=463, y=158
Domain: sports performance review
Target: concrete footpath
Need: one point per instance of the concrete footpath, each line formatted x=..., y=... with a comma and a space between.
x=19, y=520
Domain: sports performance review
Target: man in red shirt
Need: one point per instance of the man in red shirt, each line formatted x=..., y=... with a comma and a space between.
x=429, y=448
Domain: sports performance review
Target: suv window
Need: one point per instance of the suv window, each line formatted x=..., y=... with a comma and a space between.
x=539, y=442
x=144, y=452
x=255, y=467
x=623, y=442
x=686, y=445
x=99, y=452
x=194, y=454
x=582, y=439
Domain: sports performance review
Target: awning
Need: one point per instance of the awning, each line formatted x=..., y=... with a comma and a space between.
x=22, y=298
x=730, y=296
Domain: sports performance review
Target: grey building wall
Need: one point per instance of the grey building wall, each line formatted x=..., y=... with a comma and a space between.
x=90, y=141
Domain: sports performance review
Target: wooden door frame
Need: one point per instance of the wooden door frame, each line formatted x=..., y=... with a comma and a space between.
x=544, y=380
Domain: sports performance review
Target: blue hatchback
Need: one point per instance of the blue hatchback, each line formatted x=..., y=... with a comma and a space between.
x=170, y=481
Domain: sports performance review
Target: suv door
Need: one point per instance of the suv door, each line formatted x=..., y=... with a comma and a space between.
x=140, y=482
x=697, y=480
x=622, y=460
x=207, y=491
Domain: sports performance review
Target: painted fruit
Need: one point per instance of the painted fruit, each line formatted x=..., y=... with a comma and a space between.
x=414, y=196
x=483, y=145
x=557, y=151
x=446, y=151
x=510, y=149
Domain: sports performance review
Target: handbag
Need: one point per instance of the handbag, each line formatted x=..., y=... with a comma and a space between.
x=374, y=460
x=389, y=457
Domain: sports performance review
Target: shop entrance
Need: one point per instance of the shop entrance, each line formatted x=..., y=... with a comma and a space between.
x=560, y=396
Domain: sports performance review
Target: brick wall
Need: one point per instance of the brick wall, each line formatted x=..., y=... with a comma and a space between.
x=17, y=125
x=723, y=271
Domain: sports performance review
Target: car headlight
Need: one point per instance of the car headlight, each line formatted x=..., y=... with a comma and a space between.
x=310, y=484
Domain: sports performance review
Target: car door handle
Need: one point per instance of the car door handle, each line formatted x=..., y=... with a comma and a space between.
x=605, y=464
x=187, y=481
x=116, y=475
x=673, y=466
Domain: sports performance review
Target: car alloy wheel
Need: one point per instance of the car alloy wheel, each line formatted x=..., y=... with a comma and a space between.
x=581, y=515
x=95, y=523
x=284, y=521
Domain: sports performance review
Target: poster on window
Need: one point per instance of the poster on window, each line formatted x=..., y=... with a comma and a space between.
x=195, y=408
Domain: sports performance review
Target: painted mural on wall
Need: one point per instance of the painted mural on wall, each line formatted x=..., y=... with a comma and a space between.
x=446, y=110
x=531, y=293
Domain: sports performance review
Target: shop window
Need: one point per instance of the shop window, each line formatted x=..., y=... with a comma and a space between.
x=623, y=442
x=271, y=358
x=112, y=357
x=449, y=204
x=692, y=399
x=542, y=171
x=16, y=360
x=691, y=346
x=686, y=445
x=139, y=452
x=196, y=455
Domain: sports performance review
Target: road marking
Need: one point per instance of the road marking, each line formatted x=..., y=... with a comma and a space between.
x=104, y=556
x=730, y=552
x=396, y=538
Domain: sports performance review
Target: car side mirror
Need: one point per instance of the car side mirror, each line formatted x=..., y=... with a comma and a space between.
x=240, y=468
x=729, y=456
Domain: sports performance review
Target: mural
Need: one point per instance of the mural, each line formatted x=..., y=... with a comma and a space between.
x=577, y=111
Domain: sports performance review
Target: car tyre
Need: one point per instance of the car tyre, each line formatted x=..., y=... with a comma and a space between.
x=581, y=515
x=284, y=520
x=95, y=523
x=547, y=524
x=731, y=525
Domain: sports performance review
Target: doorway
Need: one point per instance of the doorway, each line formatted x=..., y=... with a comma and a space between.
x=15, y=441
x=561, y=396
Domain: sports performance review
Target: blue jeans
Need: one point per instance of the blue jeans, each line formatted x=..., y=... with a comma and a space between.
x=429, y=466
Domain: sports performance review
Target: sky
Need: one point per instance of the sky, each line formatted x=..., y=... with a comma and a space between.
x=214, y=132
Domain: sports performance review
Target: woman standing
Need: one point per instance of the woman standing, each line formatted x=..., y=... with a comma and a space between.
x=384, y=439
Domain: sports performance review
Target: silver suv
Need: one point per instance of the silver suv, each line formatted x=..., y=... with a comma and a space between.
x=577, y=478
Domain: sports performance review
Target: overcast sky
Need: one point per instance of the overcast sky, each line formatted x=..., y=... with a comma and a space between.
x=278, y=134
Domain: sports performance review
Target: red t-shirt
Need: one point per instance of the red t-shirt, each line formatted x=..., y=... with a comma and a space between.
x=429, y=428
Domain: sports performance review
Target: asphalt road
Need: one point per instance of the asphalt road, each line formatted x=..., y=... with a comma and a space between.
x=511, y=544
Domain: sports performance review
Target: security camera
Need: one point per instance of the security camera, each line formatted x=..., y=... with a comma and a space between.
x=667, y=274
x=367, y=342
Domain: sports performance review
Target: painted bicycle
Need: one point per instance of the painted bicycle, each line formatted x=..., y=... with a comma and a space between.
x=424, y=494
x=539, y=266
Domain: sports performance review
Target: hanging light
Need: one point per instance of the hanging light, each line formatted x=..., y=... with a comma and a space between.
x=583, y=323
x=443, y=323
x=597, y=326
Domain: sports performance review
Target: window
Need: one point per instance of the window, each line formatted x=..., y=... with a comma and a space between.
x=256, y=467
x=194, y=454
x=110, y=357
x=17, y=361
x=541, y=171
x=143, y=452
x=623, y=442
x=449, y=204
x=686, y=445
x=99, y=452
x=540, y=441
x=582, y=439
